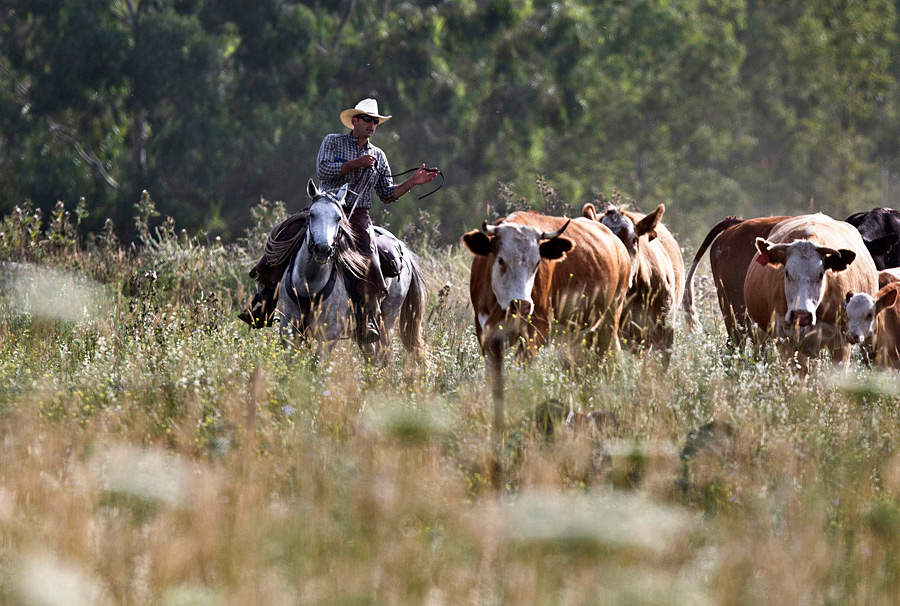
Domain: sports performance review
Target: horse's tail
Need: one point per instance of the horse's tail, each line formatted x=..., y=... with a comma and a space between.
x=687, y=301
x=413, y=309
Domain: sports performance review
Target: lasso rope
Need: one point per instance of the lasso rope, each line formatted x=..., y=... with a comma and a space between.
x=278, y=252
x=414, y=168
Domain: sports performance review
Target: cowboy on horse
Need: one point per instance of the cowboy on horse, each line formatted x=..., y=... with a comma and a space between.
x=351, y=159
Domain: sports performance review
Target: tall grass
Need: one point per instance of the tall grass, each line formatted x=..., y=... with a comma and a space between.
x=153, y=450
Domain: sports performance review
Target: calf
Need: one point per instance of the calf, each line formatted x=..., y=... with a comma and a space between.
x=875, y=322
x=794, y=288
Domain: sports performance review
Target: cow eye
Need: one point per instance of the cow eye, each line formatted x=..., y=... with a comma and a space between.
x=501, y=263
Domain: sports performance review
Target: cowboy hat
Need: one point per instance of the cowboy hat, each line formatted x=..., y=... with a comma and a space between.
x=368, y=107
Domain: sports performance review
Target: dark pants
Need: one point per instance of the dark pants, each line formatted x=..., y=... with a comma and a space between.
x=372, y=288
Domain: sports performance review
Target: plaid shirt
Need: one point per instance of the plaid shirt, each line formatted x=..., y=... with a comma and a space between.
x=337, y=149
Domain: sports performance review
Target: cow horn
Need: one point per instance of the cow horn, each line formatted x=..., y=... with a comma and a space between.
x=488, y=229
x=555, y=234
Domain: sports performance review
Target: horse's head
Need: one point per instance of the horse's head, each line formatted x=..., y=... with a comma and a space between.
x=326, y=213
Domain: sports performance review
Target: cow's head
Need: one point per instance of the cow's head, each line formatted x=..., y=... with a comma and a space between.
x=517, y=251
x=805, y=264
x=880, y=248
x=627, y=230
x=862, y=309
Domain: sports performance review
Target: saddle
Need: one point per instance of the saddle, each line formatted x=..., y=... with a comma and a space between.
x=390, y=254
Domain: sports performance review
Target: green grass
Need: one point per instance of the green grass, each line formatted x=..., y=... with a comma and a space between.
x=156, y=451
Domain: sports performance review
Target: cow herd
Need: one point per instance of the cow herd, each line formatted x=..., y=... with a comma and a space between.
x=614, y=277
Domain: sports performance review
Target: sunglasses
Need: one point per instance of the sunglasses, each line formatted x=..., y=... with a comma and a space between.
x=366, y=118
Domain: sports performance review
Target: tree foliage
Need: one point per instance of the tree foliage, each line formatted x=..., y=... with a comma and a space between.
x=740, y=106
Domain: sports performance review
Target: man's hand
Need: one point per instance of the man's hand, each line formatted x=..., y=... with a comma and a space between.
x=423, y=175
x=363, y=161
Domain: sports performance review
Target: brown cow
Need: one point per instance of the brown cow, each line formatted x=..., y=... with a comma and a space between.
x=733, y=247
x=795, y=284
x=527, y=277
x=874, y=321
x=656, y=282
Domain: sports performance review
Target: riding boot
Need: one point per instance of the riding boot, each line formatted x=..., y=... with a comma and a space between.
x=261, y=311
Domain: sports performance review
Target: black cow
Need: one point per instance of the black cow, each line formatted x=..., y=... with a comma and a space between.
x=880, y=229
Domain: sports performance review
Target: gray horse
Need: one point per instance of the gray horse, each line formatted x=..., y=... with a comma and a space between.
x=314, y=294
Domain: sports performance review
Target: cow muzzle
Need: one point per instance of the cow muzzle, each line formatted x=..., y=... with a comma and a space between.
x=522, y=307
x=801, y=318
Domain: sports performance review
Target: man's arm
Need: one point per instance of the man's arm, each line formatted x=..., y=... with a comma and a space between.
x=420, y=177
x=365, y=160
x=329, y=162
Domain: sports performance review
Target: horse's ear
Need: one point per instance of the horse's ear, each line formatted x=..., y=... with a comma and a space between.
x=341, y=193
x=311, y=190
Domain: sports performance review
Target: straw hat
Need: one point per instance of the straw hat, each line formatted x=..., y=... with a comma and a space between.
x=368, y=107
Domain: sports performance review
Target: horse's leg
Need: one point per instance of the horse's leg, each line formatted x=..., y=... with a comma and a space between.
x=390, y=310
x=290, y=313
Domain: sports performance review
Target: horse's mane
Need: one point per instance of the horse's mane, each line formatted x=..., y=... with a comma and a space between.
x=345, y=254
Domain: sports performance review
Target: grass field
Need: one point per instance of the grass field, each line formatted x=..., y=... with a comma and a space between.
x=153, y=450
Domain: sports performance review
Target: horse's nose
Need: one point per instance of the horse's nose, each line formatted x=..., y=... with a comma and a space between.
x=321, y=250
x=803, y=318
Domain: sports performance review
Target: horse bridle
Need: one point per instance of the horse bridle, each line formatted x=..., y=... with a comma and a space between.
x=298, y=300
x=330, y=198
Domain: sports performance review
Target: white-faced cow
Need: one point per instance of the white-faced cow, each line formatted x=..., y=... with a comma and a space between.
x=732, y=242
x=656, y=279
x=795, y=285
x=534, y=273
x=874, y=321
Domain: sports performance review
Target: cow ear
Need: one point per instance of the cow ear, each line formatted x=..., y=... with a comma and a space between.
x=885, y=300
x=769, y=253
x=311, y=190
x=883, y=245
x=478, y=242
x=588, y=211
x=848, y=296
x=648, y=224
x=838, y=260
x=556, y=248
